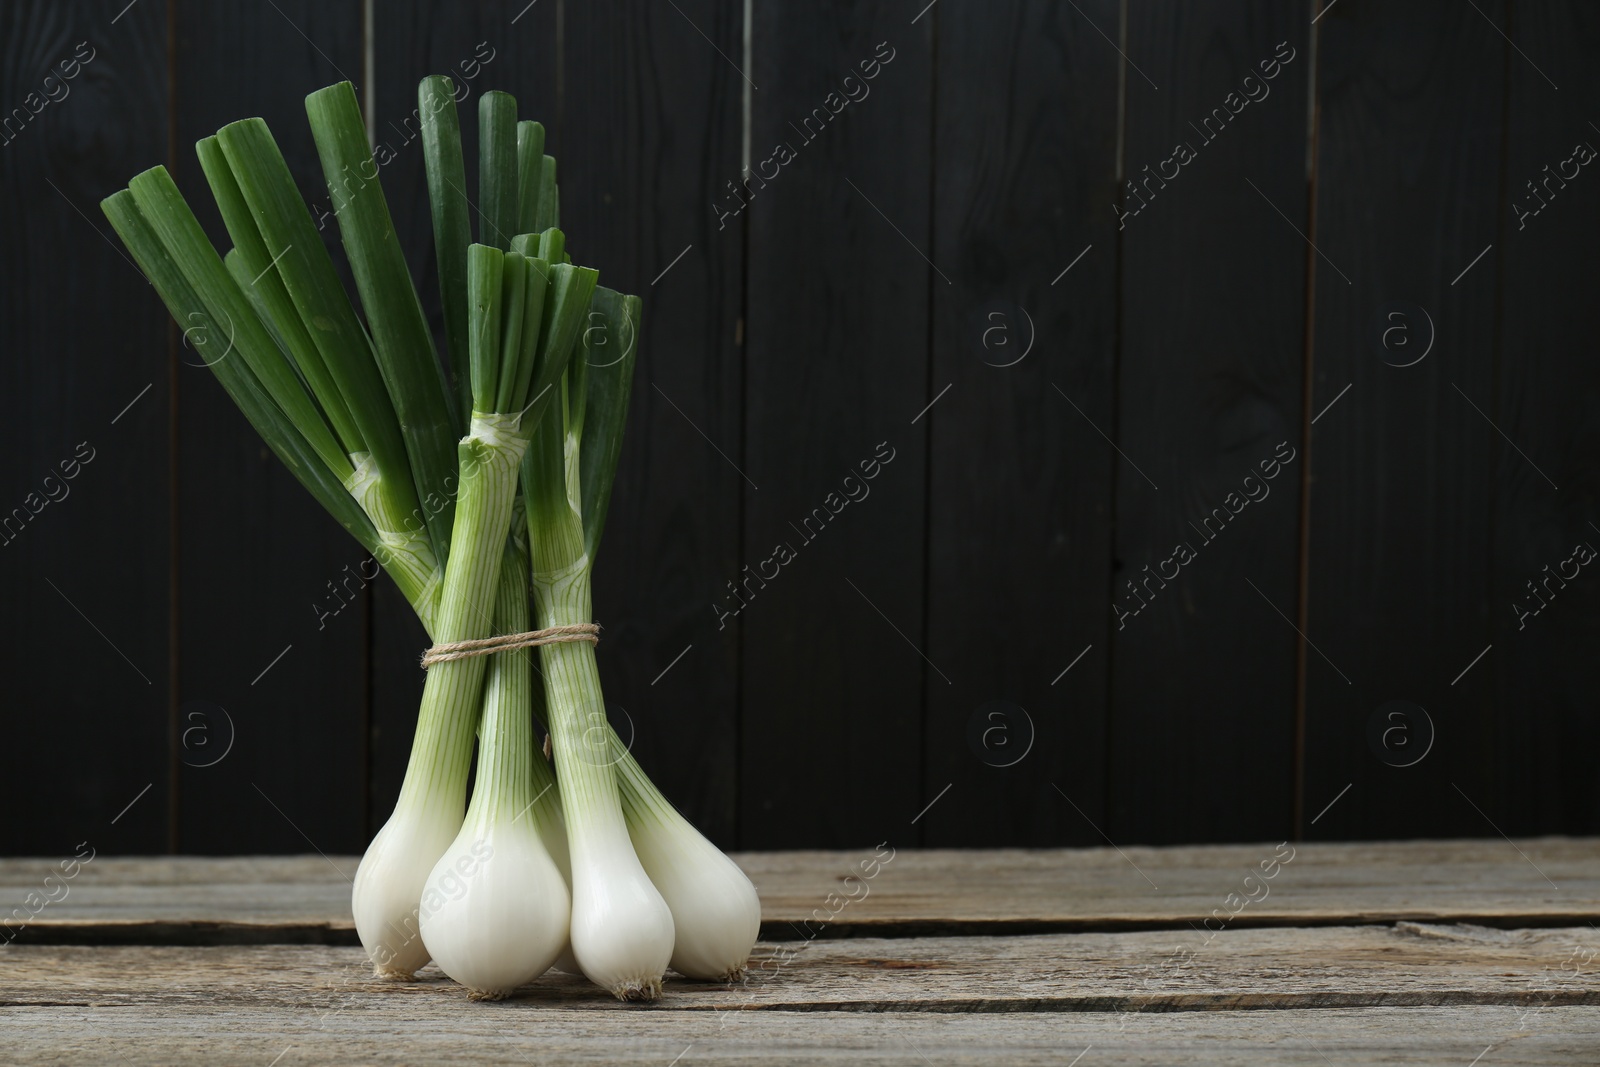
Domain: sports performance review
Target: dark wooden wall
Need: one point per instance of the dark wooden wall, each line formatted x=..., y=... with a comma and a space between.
x=1056, y=362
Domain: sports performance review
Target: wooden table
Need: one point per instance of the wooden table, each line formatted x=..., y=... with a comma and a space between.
x=1464, y=952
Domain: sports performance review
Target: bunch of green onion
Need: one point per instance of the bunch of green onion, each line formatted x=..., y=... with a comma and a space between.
x=471, y=496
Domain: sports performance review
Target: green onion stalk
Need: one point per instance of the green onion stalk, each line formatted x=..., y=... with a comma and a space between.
x=389, y=882
x=495, y=908
x=648, y=889
x=622, y=932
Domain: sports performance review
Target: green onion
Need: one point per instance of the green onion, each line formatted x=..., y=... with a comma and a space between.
x=510, y=923
x=716, y=913
x=622, y=932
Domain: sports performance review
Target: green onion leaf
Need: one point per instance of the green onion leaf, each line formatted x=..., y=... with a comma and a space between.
x=532, y=325
x=530, y=174
x=258, y=279
x=164, y=208
x=452, y=230
x=264, y=212
x=566, y=311
x=401, y=339
x=243, y=276
x=485, y=291
x=210, y=341
x=514, y=299
x=610, y=344
x=549, y=215
x=553, y=245
x=497, y=169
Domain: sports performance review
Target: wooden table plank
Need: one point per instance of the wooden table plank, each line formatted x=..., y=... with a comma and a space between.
x=255, y=899
x=1320, y=1038
x=1485, y=881
x=1357, y=991
x=1407, y=965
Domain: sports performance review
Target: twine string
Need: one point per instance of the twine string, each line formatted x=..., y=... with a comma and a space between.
x=554, y=635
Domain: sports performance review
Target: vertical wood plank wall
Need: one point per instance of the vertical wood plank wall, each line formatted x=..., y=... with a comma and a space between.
x=836, y=366
x=970, y=335
x=1211, y=364
x=1401, y=508
x=1024, y=171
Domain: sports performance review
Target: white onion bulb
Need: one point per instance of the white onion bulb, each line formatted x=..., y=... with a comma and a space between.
x=622, y=930
x=553, y=831
x=494, y=911
x=716, y=913
x=389, y=883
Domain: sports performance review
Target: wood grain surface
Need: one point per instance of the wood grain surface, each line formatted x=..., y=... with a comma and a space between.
x=656, y=121
x=1270, y=989
x=298, y=611
x=1541, y=675
x=1401, y=466
x=125, y=1014
x=1209, y=404
x=836, y=369
x=1017, y=201
x=88, y=369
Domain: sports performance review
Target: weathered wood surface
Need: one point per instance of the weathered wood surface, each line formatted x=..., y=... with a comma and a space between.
x=307, y=898
x=1480, y=880
x=455, y=1031
x=1405, y=965
x=1321, y=969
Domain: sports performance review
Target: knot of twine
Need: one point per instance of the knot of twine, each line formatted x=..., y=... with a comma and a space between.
x=555, y=635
